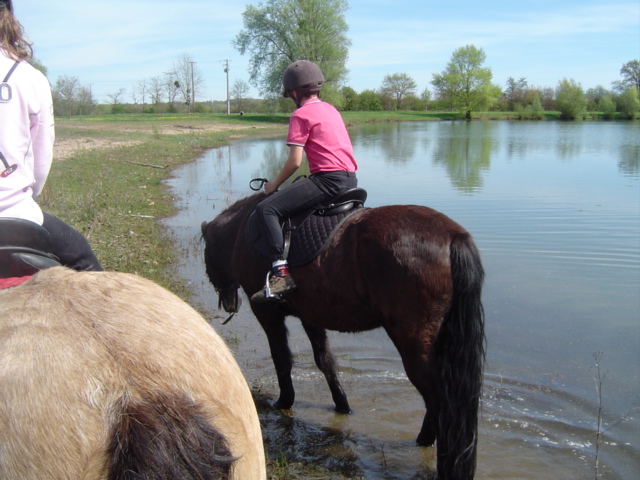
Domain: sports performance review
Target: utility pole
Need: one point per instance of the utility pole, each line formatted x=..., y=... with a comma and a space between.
x=193, y=90
x=226, y=70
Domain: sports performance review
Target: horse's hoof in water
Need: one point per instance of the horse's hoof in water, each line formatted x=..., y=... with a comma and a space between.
x=344, y=410
x=426, y=440
x=279, y=405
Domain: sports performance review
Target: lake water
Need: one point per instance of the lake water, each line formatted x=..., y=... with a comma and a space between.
x=555, y=210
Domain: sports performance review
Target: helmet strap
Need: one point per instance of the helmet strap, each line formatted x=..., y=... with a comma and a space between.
x=296, y=97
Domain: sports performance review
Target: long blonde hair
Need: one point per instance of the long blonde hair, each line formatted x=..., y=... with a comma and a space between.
x=12, y=37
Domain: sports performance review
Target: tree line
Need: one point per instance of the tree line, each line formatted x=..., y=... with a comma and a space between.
x=171, y=91
x=465, y=86
x=279, y=32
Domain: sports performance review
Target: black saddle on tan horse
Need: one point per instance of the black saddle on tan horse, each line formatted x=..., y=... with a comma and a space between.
x=306, y=233
x=25, y=248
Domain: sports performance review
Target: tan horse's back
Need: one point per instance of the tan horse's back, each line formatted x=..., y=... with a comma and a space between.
x=104, y=372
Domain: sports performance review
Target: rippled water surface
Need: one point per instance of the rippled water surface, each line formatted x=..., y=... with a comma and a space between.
x=555, y=210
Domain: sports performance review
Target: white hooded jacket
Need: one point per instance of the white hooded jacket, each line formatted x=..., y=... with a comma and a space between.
x=26, y=138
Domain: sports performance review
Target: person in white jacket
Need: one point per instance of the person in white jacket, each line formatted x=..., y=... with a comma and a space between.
x=26, y=143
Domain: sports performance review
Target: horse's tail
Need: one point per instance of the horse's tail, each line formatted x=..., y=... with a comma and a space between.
x=168, y=437
x=460, y=351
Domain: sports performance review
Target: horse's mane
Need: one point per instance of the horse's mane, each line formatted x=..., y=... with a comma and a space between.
x=241, y=204
x=239, y=209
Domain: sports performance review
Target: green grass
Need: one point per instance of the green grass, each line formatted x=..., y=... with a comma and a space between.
x=115, y=195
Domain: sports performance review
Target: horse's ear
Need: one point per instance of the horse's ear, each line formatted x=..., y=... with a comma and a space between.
x=203, y=227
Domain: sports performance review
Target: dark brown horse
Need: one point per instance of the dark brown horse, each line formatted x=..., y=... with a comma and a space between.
x=406, y=268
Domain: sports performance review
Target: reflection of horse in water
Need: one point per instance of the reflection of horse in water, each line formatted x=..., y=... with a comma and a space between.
x=408, y=269
x=107, y=375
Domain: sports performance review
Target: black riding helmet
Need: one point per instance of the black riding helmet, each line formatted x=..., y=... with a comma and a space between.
x=8, y=4
x=302, y=76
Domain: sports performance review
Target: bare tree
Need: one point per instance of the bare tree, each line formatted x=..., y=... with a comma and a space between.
x=156, y=89
x=84, y=100
x=239, y=92
x=171, y=88
x=187, y=74
x=115, y=97
x=143, y=91
x=65, y=94
x=134, y=95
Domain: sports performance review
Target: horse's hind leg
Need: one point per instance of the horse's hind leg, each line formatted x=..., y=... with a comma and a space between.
x=274, y=326
x=429, y=431
x=326, y=362
x=423, y=373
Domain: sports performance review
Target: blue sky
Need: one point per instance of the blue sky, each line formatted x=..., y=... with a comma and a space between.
x=117, y=43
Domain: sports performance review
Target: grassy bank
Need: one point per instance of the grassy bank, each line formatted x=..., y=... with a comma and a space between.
x=106, y=181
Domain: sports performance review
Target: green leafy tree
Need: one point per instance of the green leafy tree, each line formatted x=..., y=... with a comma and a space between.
x=398, y=86
x=369, y=101
x=570, y=99
x=466, y=83
x=607, y=107
x=629, y=103
x=594, y=95
x=350, y=97
x=425, y=96
x=537, y=111
x=280, y=32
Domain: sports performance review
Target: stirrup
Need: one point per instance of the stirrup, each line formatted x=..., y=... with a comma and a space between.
x=267, y=288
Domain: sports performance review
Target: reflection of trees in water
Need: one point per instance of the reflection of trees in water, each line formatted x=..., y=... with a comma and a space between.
x=368, y=135
x=274, y=156
x=223, y=160
x=466, y=154
x=569, y=143
x=398, y=143
x=222, y=170
x=629, y=162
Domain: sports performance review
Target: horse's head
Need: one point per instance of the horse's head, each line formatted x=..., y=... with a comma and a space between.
x=220, y=237
x=217, y=256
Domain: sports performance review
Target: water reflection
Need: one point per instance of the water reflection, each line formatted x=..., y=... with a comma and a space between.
x=466, y=154
x=629, y=163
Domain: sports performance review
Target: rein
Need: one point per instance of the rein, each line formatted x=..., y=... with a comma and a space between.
x=223, y=290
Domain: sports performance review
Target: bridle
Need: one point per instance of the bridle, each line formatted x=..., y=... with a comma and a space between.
x=225, y=292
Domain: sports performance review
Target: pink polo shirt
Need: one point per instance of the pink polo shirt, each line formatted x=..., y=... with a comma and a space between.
x=318, y=127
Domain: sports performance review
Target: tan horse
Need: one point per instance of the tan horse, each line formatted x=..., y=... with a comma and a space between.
x=109, y=376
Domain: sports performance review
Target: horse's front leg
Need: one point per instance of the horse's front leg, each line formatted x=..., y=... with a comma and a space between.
x=326, y=362
x=273, y=324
